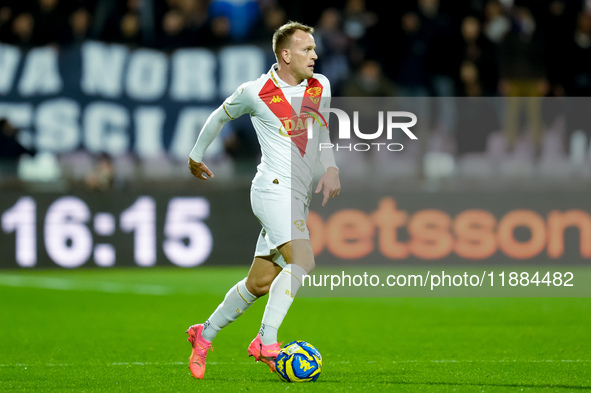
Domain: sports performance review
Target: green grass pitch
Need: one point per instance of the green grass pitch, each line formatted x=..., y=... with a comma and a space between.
x=124, y=330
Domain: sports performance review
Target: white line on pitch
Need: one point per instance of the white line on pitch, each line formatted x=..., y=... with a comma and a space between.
x=337, y=362
x=63, y=284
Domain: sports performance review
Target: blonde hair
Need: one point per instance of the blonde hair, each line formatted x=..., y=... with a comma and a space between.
x=283, y=34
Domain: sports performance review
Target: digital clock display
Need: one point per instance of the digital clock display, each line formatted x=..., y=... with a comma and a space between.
x=107, y=230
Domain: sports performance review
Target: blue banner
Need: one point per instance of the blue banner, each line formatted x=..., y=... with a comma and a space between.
x=115, y=99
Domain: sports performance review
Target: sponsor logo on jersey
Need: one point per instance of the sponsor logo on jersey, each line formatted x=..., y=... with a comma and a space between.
x=287, y=135
x=295, y=124
x=275, y=100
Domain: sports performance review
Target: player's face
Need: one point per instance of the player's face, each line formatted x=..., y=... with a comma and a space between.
x=302, y=55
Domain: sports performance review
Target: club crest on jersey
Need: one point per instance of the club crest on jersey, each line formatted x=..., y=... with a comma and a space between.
x=300, y=224
x=314, y=93
x=275, y=100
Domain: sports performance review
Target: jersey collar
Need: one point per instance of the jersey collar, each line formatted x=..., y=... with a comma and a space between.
x=279, y=82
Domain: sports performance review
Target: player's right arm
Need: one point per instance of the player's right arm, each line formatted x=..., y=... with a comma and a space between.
x=199, y=169
x=211, y=129
x=233, y=107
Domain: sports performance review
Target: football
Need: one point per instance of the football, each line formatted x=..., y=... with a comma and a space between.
x=299, y=361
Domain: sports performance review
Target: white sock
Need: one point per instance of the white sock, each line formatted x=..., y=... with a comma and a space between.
x=281, y=294
x=237, y=301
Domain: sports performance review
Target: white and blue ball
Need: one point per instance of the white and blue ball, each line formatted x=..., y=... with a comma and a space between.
x=299, y=361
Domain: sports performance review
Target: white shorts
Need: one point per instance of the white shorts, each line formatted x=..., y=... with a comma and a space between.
x=283, y=217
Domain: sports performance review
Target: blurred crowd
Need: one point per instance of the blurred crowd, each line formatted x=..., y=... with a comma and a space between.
x=519, y=49
x=406, y=48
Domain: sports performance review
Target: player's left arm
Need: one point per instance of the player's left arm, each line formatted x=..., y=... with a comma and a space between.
x=329, y=183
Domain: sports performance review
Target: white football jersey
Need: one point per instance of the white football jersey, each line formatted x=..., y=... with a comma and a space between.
x=279, y=113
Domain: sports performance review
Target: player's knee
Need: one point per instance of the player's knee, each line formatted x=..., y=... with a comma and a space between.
x=310, y=265
x=301, y=254
x=258, y=287
x=307, y=265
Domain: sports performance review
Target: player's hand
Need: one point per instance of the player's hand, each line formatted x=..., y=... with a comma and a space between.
x=330, y=183
x=199, y=170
